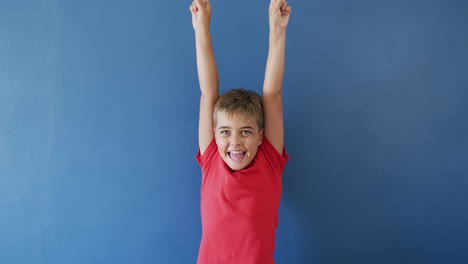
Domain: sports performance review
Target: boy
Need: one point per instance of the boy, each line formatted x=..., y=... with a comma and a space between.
x=241, y=151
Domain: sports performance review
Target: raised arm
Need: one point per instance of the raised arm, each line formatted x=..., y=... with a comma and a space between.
x=207, y=71
x=279, y=14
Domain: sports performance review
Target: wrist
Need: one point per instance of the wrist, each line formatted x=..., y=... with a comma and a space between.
x=277, y=35
x=202, y=30
x=277, y=31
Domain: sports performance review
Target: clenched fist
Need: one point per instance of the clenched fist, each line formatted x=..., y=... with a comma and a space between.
x=279, y=15
x=201, y=14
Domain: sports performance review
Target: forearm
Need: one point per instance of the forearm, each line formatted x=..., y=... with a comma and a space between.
x=207, y=71
x=275, y=63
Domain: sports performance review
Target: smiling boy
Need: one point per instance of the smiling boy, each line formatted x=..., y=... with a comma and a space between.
x=238, y=127
x=241, y=151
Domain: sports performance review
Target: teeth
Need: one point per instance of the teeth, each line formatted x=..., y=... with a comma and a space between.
x=237, y=152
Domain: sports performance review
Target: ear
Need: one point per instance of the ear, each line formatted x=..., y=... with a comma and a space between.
x=215, y=137
x=261, y=137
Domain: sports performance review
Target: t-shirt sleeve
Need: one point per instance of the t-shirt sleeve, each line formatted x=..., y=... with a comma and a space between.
x=208, y=155
x=273, y=156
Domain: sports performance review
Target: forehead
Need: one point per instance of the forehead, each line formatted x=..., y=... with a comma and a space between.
x=234, y=120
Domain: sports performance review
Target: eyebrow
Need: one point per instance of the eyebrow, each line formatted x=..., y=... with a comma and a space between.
x=224, y=127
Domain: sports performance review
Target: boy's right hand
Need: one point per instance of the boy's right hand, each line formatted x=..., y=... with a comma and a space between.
x=201, y=14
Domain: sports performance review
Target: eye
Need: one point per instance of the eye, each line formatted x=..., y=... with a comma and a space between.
x=224, y=132
x=246, y=132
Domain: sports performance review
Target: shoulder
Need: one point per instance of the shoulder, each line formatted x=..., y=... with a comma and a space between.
x=276, y=159
x=208, y=155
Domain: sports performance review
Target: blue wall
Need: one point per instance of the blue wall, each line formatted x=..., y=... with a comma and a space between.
x=99, y=119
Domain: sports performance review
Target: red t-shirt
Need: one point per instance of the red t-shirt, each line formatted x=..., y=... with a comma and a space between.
x=239, y=209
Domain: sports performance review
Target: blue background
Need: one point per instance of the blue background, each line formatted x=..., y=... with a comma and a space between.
x=99, y=119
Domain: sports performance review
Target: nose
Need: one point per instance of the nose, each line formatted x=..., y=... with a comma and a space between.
x=235, y=144
x=235, y=140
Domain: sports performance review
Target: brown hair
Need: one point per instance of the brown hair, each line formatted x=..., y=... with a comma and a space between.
x=240, y=101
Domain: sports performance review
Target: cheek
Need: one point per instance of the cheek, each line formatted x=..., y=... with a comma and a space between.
x=221, y=144
x=253, y=143
x=253, y=148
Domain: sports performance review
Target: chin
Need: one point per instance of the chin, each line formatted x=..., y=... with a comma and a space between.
x=237, y=167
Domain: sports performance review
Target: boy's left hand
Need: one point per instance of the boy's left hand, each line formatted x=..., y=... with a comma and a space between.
x=279, y=15
x=201, y=14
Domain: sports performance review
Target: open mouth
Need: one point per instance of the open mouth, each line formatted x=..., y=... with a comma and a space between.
x=236, y=156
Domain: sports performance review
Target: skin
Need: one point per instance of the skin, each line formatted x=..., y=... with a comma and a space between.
x=233, y=134
x=279, y=14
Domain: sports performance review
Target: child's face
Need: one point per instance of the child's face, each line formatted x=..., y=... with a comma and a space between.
x=238, y=139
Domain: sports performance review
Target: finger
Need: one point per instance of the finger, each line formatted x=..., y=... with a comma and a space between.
x=201, y=3
x=276, y=3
